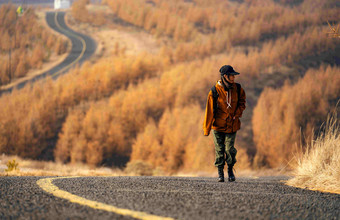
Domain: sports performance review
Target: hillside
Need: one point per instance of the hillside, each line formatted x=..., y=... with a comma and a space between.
x=149, y=106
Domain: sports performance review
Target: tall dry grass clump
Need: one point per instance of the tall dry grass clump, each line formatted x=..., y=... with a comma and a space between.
x=319, y=167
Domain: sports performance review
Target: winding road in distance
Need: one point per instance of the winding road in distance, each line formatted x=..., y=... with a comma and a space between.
x=83, y=47
x=161, y=198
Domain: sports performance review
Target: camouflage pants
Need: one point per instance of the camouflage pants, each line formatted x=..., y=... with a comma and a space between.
x=224, y=148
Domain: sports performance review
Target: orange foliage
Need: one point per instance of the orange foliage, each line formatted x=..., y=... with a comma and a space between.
x=282, y=50
x=107, y=128
x=177, y=142
x=67, y=149
x=89, y=138
x=34, y=117
x=244, y=23
x=60, y=47
x=157, y=20
x=79, y=11
x=37, y=56
x=176, y=132
x=285, y=116
x=203, y=29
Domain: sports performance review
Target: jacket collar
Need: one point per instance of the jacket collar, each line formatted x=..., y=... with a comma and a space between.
x=220, y=84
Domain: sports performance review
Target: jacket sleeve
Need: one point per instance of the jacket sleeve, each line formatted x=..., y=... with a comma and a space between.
x=209, y=115
x=241, y=104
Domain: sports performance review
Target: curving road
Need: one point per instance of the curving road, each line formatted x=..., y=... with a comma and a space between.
x=83, y=47
x=161, y=198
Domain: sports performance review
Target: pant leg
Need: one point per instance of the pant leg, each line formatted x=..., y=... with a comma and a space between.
x=230, y=150
x=219, y=139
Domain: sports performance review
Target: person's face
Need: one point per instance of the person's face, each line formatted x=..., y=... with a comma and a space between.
x=229, y=78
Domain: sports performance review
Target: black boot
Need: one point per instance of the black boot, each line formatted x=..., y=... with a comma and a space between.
x=231, y=176
x=220, y=174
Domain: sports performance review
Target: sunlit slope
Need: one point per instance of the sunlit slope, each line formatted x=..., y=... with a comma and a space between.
x=150, y=107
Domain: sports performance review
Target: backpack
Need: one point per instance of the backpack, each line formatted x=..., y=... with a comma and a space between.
x=215, y=96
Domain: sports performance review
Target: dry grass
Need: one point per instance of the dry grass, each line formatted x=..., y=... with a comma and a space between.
x=42, y=168
x=139, y=168
x=319, y=167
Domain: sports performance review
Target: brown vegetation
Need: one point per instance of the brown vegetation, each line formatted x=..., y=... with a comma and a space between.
x=32, y=117
x=212, y=31
x=284, y=118
x=81, y=13
x=242, y=22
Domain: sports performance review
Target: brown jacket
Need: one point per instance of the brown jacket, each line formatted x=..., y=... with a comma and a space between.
x=223, y=120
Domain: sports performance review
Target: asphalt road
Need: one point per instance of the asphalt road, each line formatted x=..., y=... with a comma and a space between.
x=172, y=197
x=83, y=48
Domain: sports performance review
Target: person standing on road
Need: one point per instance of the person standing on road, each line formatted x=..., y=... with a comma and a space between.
x=225, y=105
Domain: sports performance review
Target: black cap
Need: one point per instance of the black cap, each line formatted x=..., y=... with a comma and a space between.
x=229, y=70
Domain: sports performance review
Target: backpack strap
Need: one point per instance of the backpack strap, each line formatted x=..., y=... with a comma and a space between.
x=238, y=86
x=215, y=96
